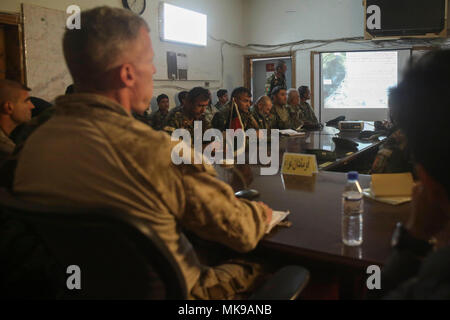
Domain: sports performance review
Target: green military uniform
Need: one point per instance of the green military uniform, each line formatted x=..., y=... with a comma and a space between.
x=393, y=155
x=180, y=120
x=219, y=106
x=274, y=81
x=264, y=121
x=221, y=119
x=144, y=118
x=6, y=145
x=283, y=117
x=296, y=116
x=210, y=112
x=158, y=120
x=306, y=114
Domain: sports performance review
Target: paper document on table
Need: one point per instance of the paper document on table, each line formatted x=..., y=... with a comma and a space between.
x=392, y=184
x=395, y=200
x=277, y=217
x=292, y=133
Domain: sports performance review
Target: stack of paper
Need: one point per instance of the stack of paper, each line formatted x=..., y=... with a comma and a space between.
x=391, y=188
x=389, y=200
x=292, y=133
x=277, y=217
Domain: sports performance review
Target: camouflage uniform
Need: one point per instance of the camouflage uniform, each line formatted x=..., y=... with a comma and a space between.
x=283, y=117
x=219, y=106
x=274, y=81
x=296, y=116
x=210, y=112
x=117, y=162
x=306, y=114
x=221, y=119
x=144, y=118
x=264, y=121
x=6, y=145
x=393, y=155
x=180, y=120
x=158, y=120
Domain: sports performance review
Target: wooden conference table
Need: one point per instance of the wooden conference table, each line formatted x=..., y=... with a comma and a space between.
x=315, y=206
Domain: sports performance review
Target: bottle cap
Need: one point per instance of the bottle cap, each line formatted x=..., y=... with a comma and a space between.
x=352, y=175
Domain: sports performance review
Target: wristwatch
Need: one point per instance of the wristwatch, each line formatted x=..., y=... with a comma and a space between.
x=403, y=240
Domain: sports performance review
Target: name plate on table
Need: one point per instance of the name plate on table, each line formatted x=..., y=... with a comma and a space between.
x=299, y=164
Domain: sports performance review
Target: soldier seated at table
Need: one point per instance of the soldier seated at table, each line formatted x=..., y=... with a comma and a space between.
x=182, y=99
x=307, y=114
x=283, y=115
x=210, y=109
x=293, y=101
x=15, y=109
x=222, y=96
x=261, y=112
x=242, y=98
x=158, y=119
x=194, y=109
x=393, y=155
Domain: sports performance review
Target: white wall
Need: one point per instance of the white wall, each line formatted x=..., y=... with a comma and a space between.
x=225, y=21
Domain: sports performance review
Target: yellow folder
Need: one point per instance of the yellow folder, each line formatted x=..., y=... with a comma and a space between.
x=392, y=185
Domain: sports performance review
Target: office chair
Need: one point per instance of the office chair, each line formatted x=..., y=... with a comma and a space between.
x=119, y=256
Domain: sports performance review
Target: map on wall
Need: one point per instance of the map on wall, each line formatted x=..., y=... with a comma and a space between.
x=47, y=74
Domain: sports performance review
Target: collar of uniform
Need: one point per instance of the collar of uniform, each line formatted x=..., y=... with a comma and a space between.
x=82, y=102
x=3, y=134
x=279, y=106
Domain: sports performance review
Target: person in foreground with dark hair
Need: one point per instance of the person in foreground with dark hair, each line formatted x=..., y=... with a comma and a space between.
x=416, y=268
x=93, y=153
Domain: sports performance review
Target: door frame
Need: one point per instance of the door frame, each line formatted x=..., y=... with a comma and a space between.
x=248, y=65
x=15, y=19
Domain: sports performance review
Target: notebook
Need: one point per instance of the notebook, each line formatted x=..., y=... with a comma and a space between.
x=392, y=185
x=292, y=133
x=277, y=217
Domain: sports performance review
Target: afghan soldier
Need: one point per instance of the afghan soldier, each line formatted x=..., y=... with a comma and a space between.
x=307, y=114
x=194, y=110
x=242, y=97
x=278, y=79
x=158, y=119
x=15, y=109
x=261, y=112
x=283, y=116
x=393, y=155
x=293, y=101
x=210, y=110
x=222, y=95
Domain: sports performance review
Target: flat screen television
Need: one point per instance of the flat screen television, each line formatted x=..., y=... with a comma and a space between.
x=405, y=18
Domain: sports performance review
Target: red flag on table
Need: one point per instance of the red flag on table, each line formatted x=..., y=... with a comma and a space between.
x=235, y=117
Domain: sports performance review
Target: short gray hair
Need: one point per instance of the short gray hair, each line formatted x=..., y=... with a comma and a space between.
x=104, y=36
x=264, y=99
x=289, y=92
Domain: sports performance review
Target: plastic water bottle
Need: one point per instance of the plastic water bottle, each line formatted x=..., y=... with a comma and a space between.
x=352, y=211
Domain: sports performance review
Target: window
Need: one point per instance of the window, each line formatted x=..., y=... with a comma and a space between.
x=182, y=25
